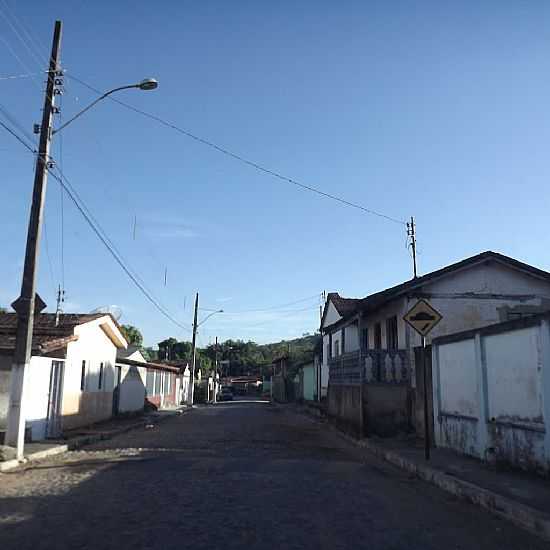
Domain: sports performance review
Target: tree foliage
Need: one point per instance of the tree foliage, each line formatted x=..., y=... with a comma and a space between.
x=245, y=357
x=132, y=334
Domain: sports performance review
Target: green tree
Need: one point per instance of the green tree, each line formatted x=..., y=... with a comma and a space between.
x=132, y=334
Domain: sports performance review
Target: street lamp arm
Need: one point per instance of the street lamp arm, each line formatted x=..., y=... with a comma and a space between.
x=208, y=317
x=147, y=84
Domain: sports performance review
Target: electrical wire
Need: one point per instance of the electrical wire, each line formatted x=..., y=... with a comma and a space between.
x=14, y=122
x=20, y=61
x=17, y=33
x=271, y=308
x=16, y=76
x=69, y=189
x=18, y=138
x=61, y=200
x=239, y=158
x=47, y=247
x=84, y=210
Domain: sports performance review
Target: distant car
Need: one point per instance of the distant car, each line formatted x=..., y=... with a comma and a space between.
x=226, y=394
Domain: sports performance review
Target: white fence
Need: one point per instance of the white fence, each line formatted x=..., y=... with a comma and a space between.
x=492, y=392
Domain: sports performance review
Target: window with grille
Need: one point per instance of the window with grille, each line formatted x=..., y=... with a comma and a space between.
x=378, y=336
x=391, y=333
x=365, y=338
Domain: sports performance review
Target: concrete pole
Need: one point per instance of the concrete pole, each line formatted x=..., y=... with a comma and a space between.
x=216, y=371
x=26, y=304
x=193, y=353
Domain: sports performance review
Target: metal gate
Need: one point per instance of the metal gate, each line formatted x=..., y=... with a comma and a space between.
x=55, y=398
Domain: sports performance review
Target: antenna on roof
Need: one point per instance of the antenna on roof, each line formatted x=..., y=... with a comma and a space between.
x=113, y=310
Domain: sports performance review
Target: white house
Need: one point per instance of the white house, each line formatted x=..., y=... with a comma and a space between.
x=370, y=351
x=71, y=377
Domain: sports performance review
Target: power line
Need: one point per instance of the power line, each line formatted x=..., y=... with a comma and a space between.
x=18, y=138
x=16, y=76
x=62, y=179
x=18, y=34
x=18, y=59
x=270, y=308
x=240, y=158
x=100, y=233
x=14, y=122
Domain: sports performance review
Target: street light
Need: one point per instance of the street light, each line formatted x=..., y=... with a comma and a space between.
x=193, y=348
x=208, y=317
x=28, y=302
x=146, y=84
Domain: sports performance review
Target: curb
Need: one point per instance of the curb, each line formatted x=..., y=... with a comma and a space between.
x=79, y=442
x=521, y=515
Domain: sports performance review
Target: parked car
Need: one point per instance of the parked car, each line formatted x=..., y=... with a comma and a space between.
x=226, y=394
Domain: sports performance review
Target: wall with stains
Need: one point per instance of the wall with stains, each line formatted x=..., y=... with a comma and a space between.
x=492, y=393
x=88, y=396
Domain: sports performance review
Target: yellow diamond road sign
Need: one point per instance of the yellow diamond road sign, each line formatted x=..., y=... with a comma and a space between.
x=422, y=317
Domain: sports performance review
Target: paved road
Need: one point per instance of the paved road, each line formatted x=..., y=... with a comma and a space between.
x=237, y=475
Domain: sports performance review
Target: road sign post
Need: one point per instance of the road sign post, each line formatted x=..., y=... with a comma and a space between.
x=422, y=317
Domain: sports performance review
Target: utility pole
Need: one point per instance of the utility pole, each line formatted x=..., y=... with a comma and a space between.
x=193, y=352
x=411, y=232
x=216, y=370
x=28, y=304
x=59, y=306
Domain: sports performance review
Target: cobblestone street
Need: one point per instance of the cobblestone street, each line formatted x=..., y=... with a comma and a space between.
x=237, y=475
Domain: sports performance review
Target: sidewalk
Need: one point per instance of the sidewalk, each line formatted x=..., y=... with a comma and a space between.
x=519, y=497
x=74, y=439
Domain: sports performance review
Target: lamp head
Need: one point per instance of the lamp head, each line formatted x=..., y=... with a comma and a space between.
x=148, y=84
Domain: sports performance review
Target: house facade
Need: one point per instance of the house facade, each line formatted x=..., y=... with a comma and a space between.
x=71, y=377
x=372, y=355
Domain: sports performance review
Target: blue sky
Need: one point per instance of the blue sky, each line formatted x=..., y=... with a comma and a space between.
x=428, y=109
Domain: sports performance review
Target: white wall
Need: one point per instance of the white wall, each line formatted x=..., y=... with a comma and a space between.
x=332, y=316
x=457, y=371
x=492, y=396
x=132, y=388
x=92, y=404
x=37, y=389
x=514, y=375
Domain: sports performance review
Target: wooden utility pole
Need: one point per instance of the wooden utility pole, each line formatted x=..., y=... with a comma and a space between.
x=411, y=232
x=193, y=352
x=27, y=304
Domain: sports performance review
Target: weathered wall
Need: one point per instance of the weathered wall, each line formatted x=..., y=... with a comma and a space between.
x=492, y=393
x=386, y=409
x=344, y=404
x=278, y=389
